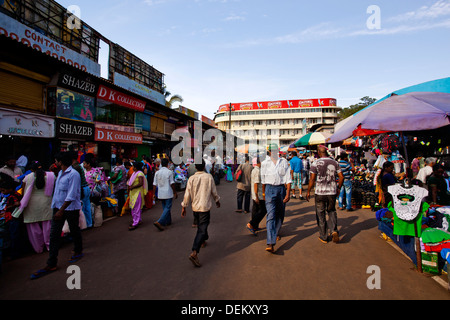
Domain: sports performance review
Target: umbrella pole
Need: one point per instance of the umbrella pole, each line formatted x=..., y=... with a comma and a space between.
x=404, y=149
x=418, y=249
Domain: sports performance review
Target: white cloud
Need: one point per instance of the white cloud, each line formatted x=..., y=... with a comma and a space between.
x=323, y=30
x=154, y=2
x=234, y=17
x=438, y=9
x=405, y=28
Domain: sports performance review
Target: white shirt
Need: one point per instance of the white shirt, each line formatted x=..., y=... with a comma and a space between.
x=163, y=180
x=256, y=179
x=275, y=174
x=424, y=173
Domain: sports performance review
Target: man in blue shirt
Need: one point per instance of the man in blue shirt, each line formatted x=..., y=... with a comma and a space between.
x=66, y=204
x=346, y=189
x=296, y=174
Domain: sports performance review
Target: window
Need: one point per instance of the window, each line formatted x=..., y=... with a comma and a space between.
x=108, y=112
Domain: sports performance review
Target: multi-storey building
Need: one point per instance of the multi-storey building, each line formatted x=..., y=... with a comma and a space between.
x=283, y=120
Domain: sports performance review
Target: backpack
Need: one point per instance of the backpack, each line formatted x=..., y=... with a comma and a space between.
x=390, y=143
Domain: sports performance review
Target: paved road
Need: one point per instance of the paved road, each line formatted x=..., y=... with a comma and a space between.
x=148, y=264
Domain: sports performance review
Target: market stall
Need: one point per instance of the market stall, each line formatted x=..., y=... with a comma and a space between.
x=418, y=227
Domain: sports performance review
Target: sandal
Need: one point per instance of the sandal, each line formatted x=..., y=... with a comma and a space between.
x=76, y=257
x=42, y=272
x=250, y=228
x=158, y=226
x=195, y=261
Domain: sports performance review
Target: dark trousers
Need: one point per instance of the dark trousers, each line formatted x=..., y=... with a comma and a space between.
x=202, y=219
x=259, y=211
x=120, y=195
x=243, y=196
x=326, y=205
x=72, y=218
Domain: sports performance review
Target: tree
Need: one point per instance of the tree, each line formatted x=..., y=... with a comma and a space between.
x=171, y=99
x=364, y=102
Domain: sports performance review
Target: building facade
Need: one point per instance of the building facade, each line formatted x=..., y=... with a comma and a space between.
x=284, y=121
x=53, y=97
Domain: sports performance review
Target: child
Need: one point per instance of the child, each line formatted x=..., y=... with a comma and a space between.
x=9, y=201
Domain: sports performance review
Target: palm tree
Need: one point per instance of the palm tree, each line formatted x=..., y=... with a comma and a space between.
x=171, y=99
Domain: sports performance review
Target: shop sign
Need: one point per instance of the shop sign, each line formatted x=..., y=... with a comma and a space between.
x=283, y=104
x=67, y=129
x=15, y=30
x=120, y=98
x=26, y=125
x=117, y=136
x=78, y=83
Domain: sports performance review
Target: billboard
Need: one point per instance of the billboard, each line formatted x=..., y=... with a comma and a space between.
x=21, y=33
x=134, y=86
x=281, y=104
x=125, y=63
x=188, y=112
x=73, y=105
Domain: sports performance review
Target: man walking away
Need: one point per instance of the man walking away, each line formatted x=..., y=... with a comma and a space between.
x=296, y=174
x=243, y=187
x=276, y=180
x=259, y=206
x=166, y=192
x=323, y=175
x=347, y=170
x=199, y=191
x=66, y=204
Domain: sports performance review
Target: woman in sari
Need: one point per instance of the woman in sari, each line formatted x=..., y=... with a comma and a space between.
x=35, y=206
x=137, y=189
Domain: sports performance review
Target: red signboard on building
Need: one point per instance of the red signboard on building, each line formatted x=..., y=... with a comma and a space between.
x=281, y=104
x=117, y=136
x=120, y=99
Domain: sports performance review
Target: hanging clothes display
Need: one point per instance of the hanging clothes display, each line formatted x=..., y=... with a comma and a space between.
x=408, y=209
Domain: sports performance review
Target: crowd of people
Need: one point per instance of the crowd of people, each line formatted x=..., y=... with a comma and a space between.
x=39, y=207
x=71, y=195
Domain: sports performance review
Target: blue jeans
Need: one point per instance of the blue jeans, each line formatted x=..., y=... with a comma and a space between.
x=86, y=205
x=347, y=190
x=166, y=217
x=275, y=211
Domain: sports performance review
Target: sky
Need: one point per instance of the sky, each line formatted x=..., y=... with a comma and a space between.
x=213, y=52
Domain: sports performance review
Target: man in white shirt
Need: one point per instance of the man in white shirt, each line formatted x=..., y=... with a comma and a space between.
x=426, y=171
x=165, y=183
x=276, y=181
x=11, y=169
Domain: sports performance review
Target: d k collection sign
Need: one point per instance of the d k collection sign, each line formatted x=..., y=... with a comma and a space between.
x=117, y=136
x=120, y=98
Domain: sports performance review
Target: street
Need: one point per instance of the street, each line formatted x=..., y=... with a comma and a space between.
x=147, y=264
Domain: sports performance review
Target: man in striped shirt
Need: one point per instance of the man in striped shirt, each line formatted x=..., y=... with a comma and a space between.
x=346, y=189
